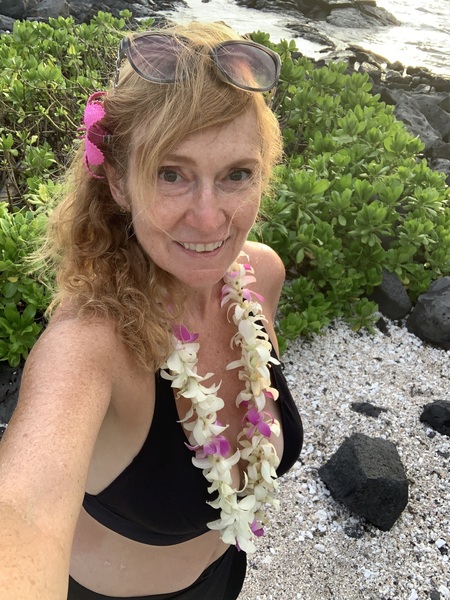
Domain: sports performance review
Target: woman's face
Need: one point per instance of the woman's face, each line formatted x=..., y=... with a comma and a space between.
x=207, y=197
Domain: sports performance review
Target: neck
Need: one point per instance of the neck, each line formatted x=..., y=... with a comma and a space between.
x=202, y=302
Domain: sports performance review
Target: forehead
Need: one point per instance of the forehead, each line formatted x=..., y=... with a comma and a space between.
x=238, y=139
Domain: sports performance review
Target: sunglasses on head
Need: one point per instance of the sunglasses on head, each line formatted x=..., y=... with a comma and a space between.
x=244, y=64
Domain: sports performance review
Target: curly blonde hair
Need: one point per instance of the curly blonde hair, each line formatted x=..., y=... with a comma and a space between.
x=100, y=267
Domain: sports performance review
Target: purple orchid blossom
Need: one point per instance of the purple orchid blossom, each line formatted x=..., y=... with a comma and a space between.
x=233, y=274
x=256, y=528
x=257, y=420
x=215, y=446
x=183, y=335
x=218, y=445
x=247, y=295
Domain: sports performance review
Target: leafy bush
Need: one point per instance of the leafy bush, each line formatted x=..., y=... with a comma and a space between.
x=48, y=71
x=23, y=297
x=351, y=199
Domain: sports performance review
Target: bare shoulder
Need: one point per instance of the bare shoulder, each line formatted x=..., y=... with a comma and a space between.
x=72, y=354
x=65, y=393
x=75, y=367
x=269, y=272
x=264, y=258
x=92, y=343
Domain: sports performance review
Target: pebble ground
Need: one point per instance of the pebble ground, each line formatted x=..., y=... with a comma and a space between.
x=315, y=549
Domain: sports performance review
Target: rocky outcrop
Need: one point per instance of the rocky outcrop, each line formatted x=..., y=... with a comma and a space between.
x=424, y=107
x=341, y=13
x=82, y=11
x=421, y=99
x=360, y=16
x=429, y=320
x=49, y=8
x=14, y=9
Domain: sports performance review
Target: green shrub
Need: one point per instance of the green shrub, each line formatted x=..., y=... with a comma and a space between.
x=23, y=297
x=351, y=199
x=48, y=71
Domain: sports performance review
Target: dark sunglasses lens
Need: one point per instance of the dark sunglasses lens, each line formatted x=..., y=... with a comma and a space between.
x=247, y=66
x=155, y=57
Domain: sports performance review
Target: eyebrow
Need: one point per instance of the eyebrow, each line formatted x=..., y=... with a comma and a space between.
x=182, y=158
x=178, y=158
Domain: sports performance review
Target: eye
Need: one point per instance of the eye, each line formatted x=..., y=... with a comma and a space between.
x=169, y=175
x=239, y=175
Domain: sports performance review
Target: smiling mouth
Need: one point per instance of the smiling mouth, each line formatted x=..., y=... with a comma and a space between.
x=202, y=247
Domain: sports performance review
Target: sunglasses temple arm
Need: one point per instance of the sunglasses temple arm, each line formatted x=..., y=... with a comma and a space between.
x=270, y=99
x=120, y=55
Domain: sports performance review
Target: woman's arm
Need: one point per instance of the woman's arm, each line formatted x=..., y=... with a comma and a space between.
x=45, y=454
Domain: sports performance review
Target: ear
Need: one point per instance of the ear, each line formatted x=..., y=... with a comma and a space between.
x=117, y=187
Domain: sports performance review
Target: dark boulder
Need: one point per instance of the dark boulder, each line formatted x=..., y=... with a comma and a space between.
x=439, y=150
x=6, y=23
x=83, y=12
x=430, y=318
x=422, y=103
x=16, y=9
x=310, y=33
x=46, y=9
x=424, y=115
x=442, y=165
x=437, y=415
x=391, y=297
x=367, y=475
x=416, y=123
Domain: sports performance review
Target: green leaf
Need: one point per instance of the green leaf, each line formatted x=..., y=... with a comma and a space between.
x=11, y=314
x=9, y=290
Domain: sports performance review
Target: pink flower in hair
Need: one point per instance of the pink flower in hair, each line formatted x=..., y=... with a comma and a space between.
x=94, y=132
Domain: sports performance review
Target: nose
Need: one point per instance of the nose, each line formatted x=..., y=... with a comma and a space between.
x=207, y=210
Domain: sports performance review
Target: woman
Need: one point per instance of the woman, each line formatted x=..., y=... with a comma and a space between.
x=156, y=278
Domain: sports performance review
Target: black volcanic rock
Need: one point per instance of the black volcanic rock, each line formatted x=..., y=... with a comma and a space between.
x=437, y=415
x=367, y=476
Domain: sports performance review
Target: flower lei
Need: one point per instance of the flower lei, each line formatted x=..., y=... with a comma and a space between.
x=241, y=511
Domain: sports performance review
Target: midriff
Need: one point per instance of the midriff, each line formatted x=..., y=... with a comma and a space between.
x=110, y=564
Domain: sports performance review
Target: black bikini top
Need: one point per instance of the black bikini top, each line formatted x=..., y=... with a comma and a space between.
x=161, y=497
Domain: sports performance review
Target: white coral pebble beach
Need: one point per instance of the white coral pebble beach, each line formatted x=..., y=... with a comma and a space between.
x=315, y=549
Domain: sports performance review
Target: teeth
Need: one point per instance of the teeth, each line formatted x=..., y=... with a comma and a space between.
x=202, y=247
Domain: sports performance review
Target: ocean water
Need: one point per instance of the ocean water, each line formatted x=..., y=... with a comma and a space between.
x=422, y=39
